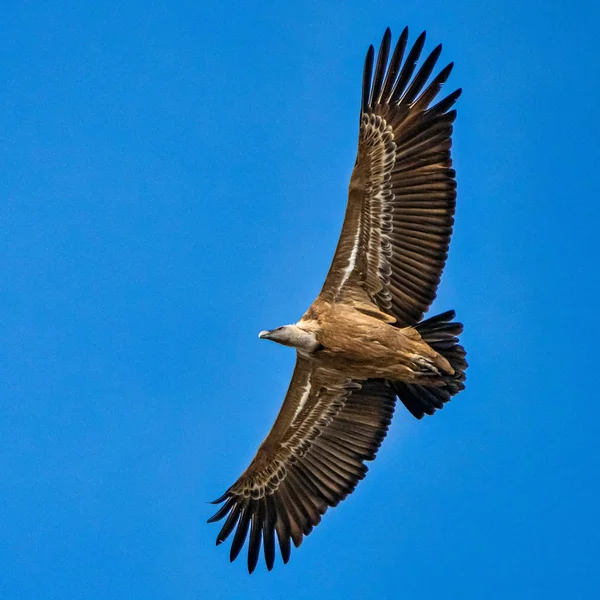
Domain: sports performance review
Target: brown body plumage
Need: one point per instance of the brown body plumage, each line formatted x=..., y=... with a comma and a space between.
x=366, y=345
x=362, y=343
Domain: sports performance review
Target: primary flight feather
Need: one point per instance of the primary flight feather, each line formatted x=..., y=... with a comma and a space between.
x=362, y=342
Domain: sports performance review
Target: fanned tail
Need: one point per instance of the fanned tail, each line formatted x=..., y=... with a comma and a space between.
x=441, y=333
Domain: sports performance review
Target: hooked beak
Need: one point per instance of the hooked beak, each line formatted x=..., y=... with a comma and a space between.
x=264, y=335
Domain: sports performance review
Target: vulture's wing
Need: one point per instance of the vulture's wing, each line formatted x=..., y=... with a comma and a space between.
x=312, y=458
x=400, y=212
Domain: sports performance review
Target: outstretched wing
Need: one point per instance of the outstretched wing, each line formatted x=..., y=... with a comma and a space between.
x=312, y=458
x=400, y=213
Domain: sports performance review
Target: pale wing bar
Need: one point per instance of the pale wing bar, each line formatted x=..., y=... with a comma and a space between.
x=316, y=464
x=402, y=195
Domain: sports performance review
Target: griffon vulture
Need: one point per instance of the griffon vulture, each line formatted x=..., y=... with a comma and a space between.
x=362, y=343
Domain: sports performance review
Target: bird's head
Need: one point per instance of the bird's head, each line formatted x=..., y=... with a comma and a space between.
x=282, y=335
x=291, y=335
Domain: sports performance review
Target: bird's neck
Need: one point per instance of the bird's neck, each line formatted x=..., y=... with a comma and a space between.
x=301, y=339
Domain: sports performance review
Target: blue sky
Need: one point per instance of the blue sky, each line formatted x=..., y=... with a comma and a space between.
x=172, y=181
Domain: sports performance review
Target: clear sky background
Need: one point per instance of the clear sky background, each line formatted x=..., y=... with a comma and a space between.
x=172, y=180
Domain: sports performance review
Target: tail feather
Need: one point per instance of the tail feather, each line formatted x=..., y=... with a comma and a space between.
x=441, y=333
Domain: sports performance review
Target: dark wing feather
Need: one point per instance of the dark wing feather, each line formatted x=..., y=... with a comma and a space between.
x=400, y=213
x=312, y=459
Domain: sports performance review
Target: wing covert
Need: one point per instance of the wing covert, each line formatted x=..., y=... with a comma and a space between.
x=402, y=193
x=312, y=459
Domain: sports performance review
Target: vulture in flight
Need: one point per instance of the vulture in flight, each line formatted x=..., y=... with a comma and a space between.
x=362, y=343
